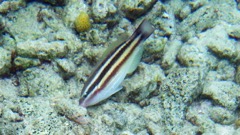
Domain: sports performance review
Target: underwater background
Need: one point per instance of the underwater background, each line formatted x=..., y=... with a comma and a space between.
x=187, y=83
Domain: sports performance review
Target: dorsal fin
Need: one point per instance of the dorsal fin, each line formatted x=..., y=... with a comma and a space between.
x=121, y=39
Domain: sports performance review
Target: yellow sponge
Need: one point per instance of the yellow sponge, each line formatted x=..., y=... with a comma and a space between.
x=82, y=22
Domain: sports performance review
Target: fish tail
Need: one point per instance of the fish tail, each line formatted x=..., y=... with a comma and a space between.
x=145, y=29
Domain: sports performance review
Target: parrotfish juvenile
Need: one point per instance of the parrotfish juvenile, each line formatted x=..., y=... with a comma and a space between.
x=111, y=71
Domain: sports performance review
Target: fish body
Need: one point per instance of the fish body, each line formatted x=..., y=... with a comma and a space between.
x=109, y=74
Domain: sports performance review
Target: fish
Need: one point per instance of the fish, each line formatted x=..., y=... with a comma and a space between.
x=123, y=59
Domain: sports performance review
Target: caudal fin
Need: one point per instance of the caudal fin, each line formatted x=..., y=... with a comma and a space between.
x=145, y=28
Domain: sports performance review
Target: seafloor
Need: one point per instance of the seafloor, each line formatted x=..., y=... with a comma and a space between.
x=186, y=84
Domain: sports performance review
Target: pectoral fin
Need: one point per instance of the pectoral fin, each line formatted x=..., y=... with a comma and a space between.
x=135, y=59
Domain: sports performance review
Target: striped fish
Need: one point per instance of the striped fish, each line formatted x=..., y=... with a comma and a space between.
x=120, y=61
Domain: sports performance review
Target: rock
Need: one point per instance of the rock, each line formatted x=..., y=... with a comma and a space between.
x=165, y=24
x=124, y=117
x=98, y=36
x=234, y=31
x=225, y=70
x=72, y=10
x=237, y=123
x=1, y=109
x=224, y=130
x=238, y=4
x=237, y=59
x=7, y=90
x=205, y=18
x=196, y=56
x=100, y=9
x=198, y=115
x=126, y=133
x=56, y=2
x=124, y=28
x=41, y=49
x=219, y=43
x=197, y=4
x=153, y=113
x=2, y=25
x=105, y=11
x=222, y=115
x=134, y=9
x=72, y=111
x=181, y=87
x=5, y=61
x=185, y=11
x=28, y=27
x=35, y=81
x=7, y=6
x=11, y=116
x=237, y=131
x=155, y=129
x=154, y=45
x=66, y=68
x=142, y=84
x=170, y=54
x=23, y=63
x=237, y=76
x=224, y=93
x=197, y=21
x=153, y=49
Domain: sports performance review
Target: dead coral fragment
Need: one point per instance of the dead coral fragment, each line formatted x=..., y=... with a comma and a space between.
x=82, y=22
